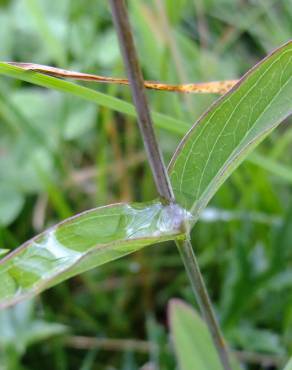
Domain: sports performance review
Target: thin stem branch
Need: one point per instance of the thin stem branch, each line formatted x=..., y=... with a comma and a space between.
x=201, y=293
x=160, y=175
x=122, y=24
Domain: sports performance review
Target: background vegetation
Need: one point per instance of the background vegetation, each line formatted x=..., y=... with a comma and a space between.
x=60, y=155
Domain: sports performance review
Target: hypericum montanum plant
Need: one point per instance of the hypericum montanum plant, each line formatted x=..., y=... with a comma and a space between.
x=216, y=144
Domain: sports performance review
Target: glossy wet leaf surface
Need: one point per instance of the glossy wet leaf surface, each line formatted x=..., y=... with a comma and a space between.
x=83, y=242
x=232, y=127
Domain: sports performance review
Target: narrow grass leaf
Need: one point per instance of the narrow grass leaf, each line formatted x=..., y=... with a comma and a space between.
x=282, y=171
x=83, y=242
x=233, y=126
x=161, y=120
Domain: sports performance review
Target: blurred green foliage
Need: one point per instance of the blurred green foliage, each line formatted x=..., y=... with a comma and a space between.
x=60, y=155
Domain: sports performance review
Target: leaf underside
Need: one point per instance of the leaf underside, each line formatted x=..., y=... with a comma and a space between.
x=82, y=242
x=230, y=129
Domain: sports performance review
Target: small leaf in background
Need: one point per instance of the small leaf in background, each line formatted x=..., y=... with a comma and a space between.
x=20, y=165
x=233, y=126
x=3, y=251
x=191, y=339
x=83, y=242
x=80, y=117
x=107, y=57
x=256, y=340
x=19, y=328
x=11, y=203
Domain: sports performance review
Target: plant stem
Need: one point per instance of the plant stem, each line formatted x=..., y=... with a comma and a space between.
x=159, y=171
x=201, y=293
x=122, y=24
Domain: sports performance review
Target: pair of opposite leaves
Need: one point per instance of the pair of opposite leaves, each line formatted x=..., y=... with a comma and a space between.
x=206, y=156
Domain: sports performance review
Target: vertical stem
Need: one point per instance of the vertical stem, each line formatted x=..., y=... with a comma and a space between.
x=201, y=293
x=160, y=175
x=122, y=24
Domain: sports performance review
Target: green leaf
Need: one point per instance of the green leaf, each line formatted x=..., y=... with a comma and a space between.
x=55, y=46
x=3, y=251
x=161, y=120
x=83, y=242
x=233, y=126
x=256, y=340
x=19, y=328
x=191, y=339
x=11, y=203
x=283, y=172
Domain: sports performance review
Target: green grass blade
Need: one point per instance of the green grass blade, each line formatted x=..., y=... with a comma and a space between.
x=282, y=171
x=232, y=127
x=191, y=339
x=161, y=120
x=83, y=242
